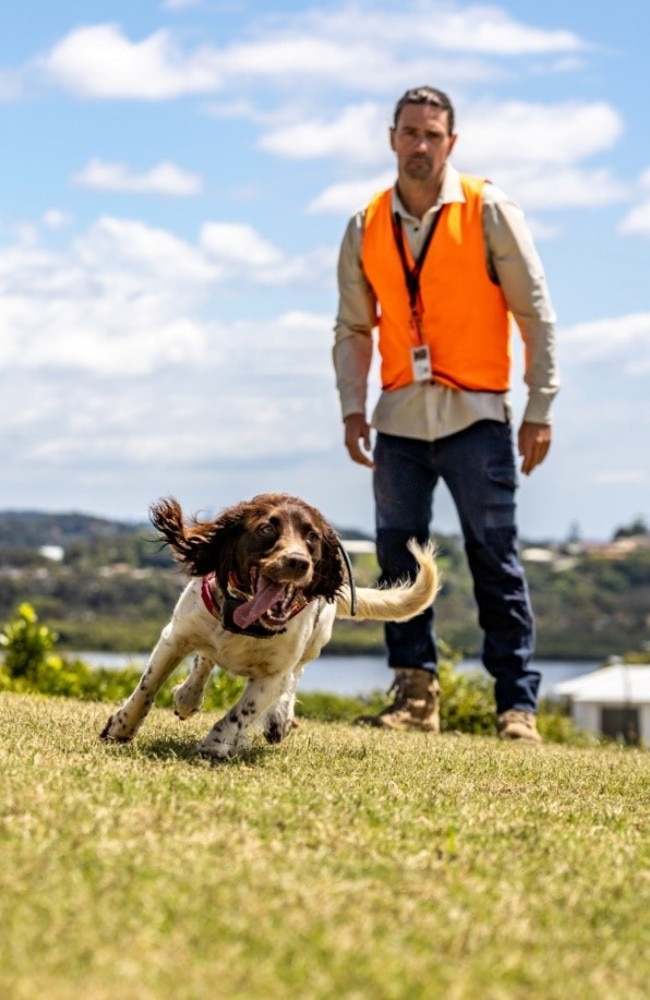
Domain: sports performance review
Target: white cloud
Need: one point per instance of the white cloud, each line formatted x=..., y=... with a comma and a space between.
x=545, y=134
x=241, y=252
x=165, y=178
x=117, y=361
x=349, y=196
x=538, y=188
x=100, y=62
x=26, y=233
x=241, y=394
x=359, y=135
x=350, y=46
x=441, y=26
x=55, y=218
x=637, y=221
x=238, y=242
x=490, y=29
x=129, y=299
x=142, y=254
x=120, y=301
x=297, y=54
x=621, y=342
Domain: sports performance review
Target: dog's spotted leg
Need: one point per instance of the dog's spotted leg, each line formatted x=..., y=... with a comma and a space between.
x=188, y=696
x=279, y=719
x=124, y=724
x=230, y=735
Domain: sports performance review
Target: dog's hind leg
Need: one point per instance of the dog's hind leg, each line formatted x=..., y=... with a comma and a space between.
x=125, y=722
x=229, y=736
x=188, y=696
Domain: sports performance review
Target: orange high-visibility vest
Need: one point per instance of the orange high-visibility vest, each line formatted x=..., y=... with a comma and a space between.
x=463, y=316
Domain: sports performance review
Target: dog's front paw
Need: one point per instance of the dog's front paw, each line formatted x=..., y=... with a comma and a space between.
x=216, y=751
x=115, y=731
x=185, y=702
x=212, y=748
x=277, y=729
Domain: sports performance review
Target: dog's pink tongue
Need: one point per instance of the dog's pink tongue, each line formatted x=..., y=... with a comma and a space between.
x=267, y=594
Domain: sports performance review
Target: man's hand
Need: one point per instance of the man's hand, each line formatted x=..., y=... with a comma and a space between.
x=534, y=443
x=357, y=432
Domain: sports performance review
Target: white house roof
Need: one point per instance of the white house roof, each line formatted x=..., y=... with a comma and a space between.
x=619, y=684
x=358, y=545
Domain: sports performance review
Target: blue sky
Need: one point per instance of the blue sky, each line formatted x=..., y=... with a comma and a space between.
x=176, y=179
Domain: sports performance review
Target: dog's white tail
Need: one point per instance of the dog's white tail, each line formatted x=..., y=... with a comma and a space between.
x=401, y=601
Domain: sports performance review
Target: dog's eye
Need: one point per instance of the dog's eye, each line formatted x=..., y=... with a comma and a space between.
x=267, y=530
x=313, y=537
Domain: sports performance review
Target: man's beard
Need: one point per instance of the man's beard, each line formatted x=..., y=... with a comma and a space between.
x=418, y=168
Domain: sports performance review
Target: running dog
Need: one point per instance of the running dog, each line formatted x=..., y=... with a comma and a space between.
x=270, y=576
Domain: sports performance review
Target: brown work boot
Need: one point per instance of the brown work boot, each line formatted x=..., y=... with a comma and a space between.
x=517, y=725
x=416, y=705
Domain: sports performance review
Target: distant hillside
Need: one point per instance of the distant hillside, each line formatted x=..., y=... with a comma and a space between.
x=33, y=529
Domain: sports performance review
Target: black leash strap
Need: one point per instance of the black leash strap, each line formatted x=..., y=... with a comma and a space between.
x=353, y=589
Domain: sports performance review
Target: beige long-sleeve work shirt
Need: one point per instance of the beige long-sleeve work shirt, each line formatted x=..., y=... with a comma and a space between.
x=428, y=411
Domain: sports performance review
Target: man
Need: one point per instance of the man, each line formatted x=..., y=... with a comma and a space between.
x=439, y=263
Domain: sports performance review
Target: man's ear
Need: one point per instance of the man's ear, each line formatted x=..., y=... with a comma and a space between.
x=391, y=137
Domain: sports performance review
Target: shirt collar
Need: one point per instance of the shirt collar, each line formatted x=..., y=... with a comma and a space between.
x=450, y=191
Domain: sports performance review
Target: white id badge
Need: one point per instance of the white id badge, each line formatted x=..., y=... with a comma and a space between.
x=421, y=363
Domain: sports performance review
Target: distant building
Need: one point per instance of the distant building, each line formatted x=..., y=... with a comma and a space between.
x=358, y=546
x=613, y=701
x=53, y=552
x=538, y=553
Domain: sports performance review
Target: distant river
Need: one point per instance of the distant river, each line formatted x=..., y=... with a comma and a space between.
x=361, y=675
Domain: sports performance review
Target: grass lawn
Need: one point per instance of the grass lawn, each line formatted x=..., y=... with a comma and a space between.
x=346, y=863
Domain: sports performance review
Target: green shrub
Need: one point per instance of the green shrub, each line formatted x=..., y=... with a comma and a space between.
x=337, y=708
x=27, y=644
x=30, y=665
x=556, y=726
x=466, y=700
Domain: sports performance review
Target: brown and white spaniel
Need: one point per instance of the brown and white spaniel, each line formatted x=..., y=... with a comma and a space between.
x=270, y=578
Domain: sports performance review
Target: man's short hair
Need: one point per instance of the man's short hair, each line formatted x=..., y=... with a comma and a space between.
x=426, y=95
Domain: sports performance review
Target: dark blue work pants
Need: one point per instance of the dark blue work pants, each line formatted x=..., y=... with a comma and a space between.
x=478, y=466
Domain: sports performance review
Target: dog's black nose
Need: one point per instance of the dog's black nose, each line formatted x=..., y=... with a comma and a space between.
x=296, y=562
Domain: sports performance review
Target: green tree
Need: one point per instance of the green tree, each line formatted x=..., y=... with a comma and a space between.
x=637, y=527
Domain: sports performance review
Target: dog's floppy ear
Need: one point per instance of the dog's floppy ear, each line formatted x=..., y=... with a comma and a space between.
x=330, y=568
x=202, y=546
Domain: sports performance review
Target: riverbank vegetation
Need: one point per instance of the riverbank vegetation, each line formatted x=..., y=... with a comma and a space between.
x=111, y=587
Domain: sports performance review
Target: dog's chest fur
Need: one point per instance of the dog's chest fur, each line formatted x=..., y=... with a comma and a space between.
x=251, y=656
